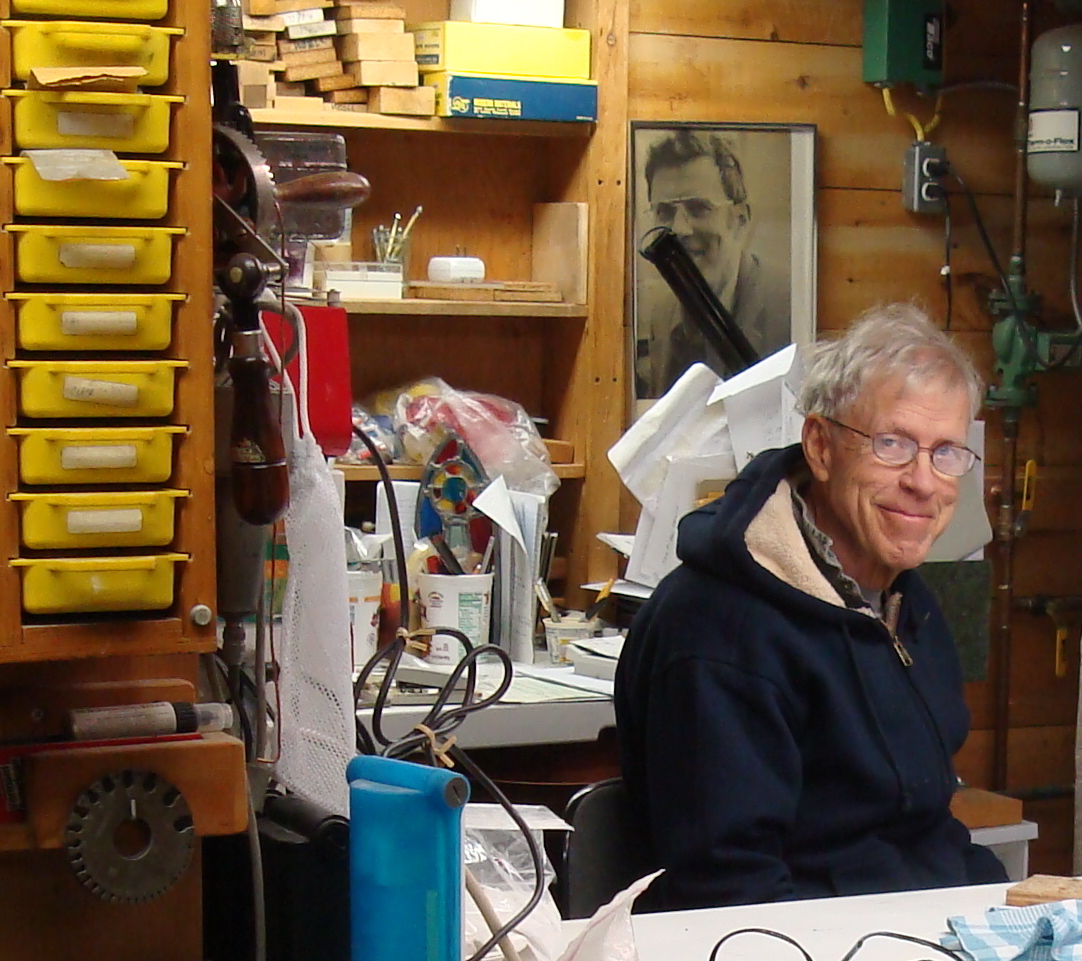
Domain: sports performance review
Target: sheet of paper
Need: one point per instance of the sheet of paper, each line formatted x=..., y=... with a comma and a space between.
x=654, y=551
x=621, y=543
x=406, y=494
x=495, y=503
x=603, y=646
x=682, y=423
x=537, y=690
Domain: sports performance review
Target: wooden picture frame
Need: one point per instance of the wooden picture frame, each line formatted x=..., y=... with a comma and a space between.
x=741, y=199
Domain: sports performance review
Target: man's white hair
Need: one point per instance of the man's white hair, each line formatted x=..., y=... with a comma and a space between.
x=885, y=342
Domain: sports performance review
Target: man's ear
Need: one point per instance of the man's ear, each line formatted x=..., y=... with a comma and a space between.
x=815, y=440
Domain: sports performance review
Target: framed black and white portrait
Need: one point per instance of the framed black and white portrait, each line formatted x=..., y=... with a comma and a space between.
x=740, y=198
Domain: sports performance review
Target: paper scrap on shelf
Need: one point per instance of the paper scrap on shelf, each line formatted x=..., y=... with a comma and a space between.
x=760, y=404
x=684, y=422
x=109, y=79
x=621, y=543
x=537, y=690
x=602, y=646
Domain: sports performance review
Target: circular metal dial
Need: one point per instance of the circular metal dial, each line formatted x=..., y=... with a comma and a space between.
x=130, y=836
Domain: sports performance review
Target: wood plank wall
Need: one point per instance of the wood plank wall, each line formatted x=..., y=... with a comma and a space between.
x=800, y=61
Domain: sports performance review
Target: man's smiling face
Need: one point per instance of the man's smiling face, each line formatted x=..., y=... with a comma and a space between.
x=883, y=519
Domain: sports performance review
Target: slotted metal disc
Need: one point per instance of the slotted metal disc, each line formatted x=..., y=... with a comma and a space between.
x=130, y=836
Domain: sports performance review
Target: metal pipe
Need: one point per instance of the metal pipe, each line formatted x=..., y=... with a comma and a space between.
x=1021, y=138
x=1004, y=601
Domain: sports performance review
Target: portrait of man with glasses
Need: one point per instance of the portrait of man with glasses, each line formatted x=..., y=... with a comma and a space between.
x=790, y=700
x=693, y=181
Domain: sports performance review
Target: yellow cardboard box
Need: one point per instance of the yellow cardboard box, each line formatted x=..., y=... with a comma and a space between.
x=459, y=46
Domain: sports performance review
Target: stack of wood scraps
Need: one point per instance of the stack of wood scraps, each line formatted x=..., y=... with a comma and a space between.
x=320, y=54
x=515, y=291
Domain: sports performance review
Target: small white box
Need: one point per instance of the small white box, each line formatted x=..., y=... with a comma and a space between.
x=527, y=13
x=360, y=280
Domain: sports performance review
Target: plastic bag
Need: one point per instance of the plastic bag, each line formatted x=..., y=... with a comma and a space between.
x=500, y=862
x=379, y=430
x=608, y=935
x=497, y=430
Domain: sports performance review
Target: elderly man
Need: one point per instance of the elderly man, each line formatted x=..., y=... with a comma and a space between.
x=696, y=188
x=789, y=700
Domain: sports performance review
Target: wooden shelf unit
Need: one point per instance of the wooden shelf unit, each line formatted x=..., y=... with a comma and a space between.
x=462, y=308
x=478, y=182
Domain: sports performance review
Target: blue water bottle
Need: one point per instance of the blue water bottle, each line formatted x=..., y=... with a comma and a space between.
x=405, y=872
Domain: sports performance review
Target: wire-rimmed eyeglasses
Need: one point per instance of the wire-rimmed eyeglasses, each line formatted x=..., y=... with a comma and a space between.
x=897, y=450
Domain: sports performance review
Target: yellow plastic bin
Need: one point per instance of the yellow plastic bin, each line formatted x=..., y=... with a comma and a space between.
x=75, y=43
x=124, y=122
x=94, y=519
x=96, y=388
x=76, y=585
x=143, y=196
x=109, y=9
x=95, y=455
x=67, y=254
x=48, y=321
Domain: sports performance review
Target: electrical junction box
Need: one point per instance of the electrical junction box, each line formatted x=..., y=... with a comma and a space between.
x=903, y=42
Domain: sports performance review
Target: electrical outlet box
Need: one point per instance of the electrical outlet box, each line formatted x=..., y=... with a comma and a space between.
x=903, y=42
x=922, y=193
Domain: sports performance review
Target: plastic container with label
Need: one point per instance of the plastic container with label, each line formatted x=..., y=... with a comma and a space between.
x=96, y=388
x=143, y=196
x=106, y=9
x=92, y=519
x=91, y=321
x=124, y=122
x=76, y=585
x=95, y=455
x=76, y=43
x=67, y=254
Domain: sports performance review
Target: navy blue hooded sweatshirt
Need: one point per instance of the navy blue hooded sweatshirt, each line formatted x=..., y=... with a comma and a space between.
x=773, y=741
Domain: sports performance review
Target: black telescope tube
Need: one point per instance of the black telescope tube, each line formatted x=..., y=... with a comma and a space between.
x=663, y=249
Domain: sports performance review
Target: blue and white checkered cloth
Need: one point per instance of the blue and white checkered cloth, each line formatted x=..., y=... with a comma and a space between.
x=1037, y=932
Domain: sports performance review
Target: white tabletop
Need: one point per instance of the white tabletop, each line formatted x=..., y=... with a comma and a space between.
x=827, y=928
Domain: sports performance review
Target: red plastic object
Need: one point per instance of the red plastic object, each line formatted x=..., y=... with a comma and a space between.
x=330, y=395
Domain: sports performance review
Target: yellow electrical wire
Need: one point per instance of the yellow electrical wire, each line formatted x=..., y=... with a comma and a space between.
x=934, y=122
x=888, y=102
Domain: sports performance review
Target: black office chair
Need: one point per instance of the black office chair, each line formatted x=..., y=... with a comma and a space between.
x=605, y=852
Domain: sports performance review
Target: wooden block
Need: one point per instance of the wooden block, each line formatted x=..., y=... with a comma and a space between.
x=427, y=290
x=208, y=771
x=332, y=252
x=272, y=24
x=262, y=52
x=351, y=95
x=981, y=809
x=374, y=46
x=310, y=71
x=560, y=248
x=371, y=25
x=308, y=43
x=383, y=73
x=1041, y=888
x=255, y=96
x=342, y=82
x=300, y=31
x=361, y=10
x=303, y=58
x=352, y=107
x=411, y=101
x=252, y=72
x=269, y=7
x=284, y=88
x=560, y=451
x=311, y=104
x=528, y=296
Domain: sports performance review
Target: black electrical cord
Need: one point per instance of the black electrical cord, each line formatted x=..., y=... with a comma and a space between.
x=849, y=955
x=440, y=720
x=946, y=271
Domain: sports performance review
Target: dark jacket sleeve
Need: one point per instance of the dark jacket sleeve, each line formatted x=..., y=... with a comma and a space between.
x=725, y=784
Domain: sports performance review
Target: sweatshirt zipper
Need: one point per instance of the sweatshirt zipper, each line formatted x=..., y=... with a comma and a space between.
x=890, y=619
